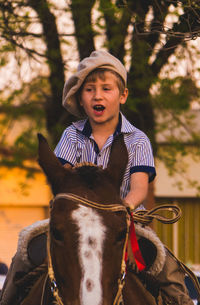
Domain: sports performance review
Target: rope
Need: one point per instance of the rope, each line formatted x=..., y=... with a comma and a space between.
x=54, y=288
x=145, y=217
x=142, y=216
x=86, y=202
x=121, y=281
x=109, y=207
x=43, y=289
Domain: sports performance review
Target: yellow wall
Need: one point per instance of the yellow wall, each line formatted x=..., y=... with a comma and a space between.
x=22, y=202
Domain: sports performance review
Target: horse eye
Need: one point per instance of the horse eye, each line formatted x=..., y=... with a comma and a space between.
x=121, y=235
x=51, y=204
x=57, y=234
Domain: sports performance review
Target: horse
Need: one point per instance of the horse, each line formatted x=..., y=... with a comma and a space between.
x=87, y=235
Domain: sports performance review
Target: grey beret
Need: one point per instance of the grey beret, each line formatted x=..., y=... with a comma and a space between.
x=97, y=59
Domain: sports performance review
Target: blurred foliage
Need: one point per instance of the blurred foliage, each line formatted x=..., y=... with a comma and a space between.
x=140, y=33
x=21, y=117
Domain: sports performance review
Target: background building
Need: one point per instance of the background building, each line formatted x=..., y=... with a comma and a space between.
x=25, y=200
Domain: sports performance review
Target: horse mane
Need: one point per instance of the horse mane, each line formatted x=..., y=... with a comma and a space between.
x=81, y=164
x=88, y=172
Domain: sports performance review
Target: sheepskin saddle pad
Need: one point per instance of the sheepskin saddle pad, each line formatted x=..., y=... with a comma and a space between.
x=32, y=246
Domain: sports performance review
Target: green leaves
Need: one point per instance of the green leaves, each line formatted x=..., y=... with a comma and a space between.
x=135, y=31
x=175, y=93
x=21, y=117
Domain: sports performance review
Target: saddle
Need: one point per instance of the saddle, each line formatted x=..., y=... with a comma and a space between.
x=151, y=247
x=33, y=239
x=32, y=254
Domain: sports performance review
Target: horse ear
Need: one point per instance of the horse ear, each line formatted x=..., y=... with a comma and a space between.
x=118, y=160
x=49, y=162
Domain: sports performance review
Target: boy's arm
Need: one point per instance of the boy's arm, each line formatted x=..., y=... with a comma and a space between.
x=138, y=189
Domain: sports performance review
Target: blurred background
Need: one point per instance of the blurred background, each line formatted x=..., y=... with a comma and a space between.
x=41, y=43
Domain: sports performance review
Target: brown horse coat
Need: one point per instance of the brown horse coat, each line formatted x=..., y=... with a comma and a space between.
x=30, y=259
x=101, y=186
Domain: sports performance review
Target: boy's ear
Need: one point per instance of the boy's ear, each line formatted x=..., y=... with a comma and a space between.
x=124, y=96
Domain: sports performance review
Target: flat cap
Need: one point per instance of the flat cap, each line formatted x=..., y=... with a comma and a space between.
x=97, y=59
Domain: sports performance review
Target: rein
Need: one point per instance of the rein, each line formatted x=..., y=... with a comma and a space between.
x=110, y=207
x=142, y=216
x=145, y=217
x=53, y=284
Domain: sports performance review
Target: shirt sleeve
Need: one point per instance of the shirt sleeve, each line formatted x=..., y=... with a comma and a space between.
x=142, y=159
x=65, y=150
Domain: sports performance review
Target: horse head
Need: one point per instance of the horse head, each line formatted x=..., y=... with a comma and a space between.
x=88, y=226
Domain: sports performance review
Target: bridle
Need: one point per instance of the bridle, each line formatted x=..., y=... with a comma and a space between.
x=99, y=206
x=141, y=216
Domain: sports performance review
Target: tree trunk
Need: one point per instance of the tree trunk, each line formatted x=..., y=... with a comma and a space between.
x=81, y=12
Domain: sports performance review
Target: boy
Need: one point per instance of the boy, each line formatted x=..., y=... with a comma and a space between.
x=95, y=93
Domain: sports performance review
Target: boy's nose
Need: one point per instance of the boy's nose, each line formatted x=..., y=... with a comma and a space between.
x=97, y=94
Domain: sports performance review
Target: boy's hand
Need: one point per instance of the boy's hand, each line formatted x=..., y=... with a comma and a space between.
x=129, y=205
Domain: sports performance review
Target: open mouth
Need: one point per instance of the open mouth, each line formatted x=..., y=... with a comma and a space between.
x=98, y=107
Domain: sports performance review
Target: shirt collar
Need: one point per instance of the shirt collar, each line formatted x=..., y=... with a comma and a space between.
x=123, y=126
x=126, y=126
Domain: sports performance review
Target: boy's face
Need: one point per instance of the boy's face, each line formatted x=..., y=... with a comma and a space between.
x=101, y=99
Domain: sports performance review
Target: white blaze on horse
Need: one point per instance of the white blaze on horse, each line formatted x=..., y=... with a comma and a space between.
x=91, y=231
x=87, y=239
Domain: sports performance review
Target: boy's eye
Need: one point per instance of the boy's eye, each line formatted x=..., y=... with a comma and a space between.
x=106, y=88
x=88, y=89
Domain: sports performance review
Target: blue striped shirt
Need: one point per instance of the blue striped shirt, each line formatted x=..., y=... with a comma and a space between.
x=77, y=145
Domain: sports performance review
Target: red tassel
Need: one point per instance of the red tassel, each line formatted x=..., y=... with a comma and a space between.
x=135, y=247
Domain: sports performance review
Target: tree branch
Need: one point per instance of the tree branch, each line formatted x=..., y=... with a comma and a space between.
x=54, y=107
x=81, y=12
x=116, y=28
